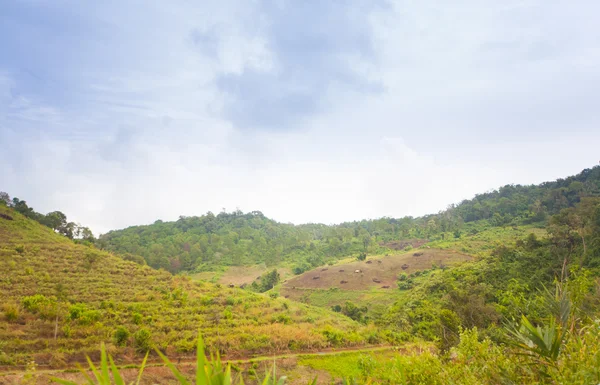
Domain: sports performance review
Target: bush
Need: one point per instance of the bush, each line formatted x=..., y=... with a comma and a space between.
x=142, y=340
x=137, y=318
x=121, y=336
x=34, y=303
x=405, y=285
x=362, y=256
x=20, y=249
x=11, y=312
x=81, y=313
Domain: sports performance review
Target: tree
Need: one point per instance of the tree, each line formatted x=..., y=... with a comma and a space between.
x=354, y=312
x=269, y=280
x=85, y=234
x=4, y=199
x=56, y=220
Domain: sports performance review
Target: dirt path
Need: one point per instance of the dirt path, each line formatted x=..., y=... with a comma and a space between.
x=184, y=361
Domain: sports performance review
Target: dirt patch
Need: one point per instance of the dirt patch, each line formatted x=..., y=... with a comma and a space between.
x=241, y=275
x=401, y=245
x=373, y=274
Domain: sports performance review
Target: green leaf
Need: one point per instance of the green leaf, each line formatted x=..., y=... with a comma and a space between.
x=104, y=365
x=139, y=377
x=180, y=377
x=201, y=376
x=115, y=372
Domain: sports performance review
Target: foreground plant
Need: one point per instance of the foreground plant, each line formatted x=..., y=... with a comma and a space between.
x=208, y=371
x=102, y=376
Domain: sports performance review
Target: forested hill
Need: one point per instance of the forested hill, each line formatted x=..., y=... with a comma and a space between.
x=239, y=239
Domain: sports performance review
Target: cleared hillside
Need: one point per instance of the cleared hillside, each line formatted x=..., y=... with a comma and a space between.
x=378, y=272
x=60, y=300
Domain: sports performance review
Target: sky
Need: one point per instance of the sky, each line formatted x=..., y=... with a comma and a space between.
x=122, y=112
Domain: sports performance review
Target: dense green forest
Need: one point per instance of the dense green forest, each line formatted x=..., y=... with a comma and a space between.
x=237, y=238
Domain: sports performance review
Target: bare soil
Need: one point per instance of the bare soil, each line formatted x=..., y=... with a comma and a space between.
x=403, y=244
x=374, y=272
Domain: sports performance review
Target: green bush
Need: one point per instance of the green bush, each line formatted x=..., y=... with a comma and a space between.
x=11, y=312
x=142, y=340
x=121, y=336
x=137, y=318
x=34, y=303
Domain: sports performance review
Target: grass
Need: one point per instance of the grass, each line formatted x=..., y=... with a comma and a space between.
x=62, y=300
x=480, y=241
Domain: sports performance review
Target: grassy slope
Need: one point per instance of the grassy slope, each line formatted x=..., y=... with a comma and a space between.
x=362, y=291
x=34, y=260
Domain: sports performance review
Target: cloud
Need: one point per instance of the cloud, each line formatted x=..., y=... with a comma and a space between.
x=314, y=46
x=120, y=113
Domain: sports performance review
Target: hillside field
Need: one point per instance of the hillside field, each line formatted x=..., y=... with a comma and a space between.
x=60, y=300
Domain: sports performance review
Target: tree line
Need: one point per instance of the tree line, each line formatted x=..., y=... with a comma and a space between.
x=56, y=220
x=237, y=238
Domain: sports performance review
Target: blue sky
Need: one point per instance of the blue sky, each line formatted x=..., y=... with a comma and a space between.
x=123, y=112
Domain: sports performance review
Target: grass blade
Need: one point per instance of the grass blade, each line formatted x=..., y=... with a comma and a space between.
x=115, y=372
x=139, y=377
x=95, y=371
x=201, y=377
x=104, y=365
x=180, y=377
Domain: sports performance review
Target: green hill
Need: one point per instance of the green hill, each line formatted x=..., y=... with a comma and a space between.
x=209, y=242
x=61, y=299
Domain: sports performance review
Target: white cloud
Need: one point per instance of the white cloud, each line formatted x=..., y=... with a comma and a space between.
x=143, y=133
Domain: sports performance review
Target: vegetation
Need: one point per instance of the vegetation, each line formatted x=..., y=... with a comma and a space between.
x=55, y=220
x=267, y=281
x=211, y=241
x=521, y=303
x=59, y=304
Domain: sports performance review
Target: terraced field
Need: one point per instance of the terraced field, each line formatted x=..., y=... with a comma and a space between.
x=60, y=300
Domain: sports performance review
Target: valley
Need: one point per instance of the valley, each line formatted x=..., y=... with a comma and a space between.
x=389, y=300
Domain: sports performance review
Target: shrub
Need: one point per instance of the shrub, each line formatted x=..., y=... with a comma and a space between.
x=11, y=312
x=121, y=336
x=137, y=318
x=76, y=310
x=34, y=303
x=91, y=256
x=281, y=318
x=333, y=336
x=20, y=249
x=85, y=316
x=142, y=340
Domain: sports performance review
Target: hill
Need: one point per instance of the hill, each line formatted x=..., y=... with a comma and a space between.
x=211, y=242
x=61, y=299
